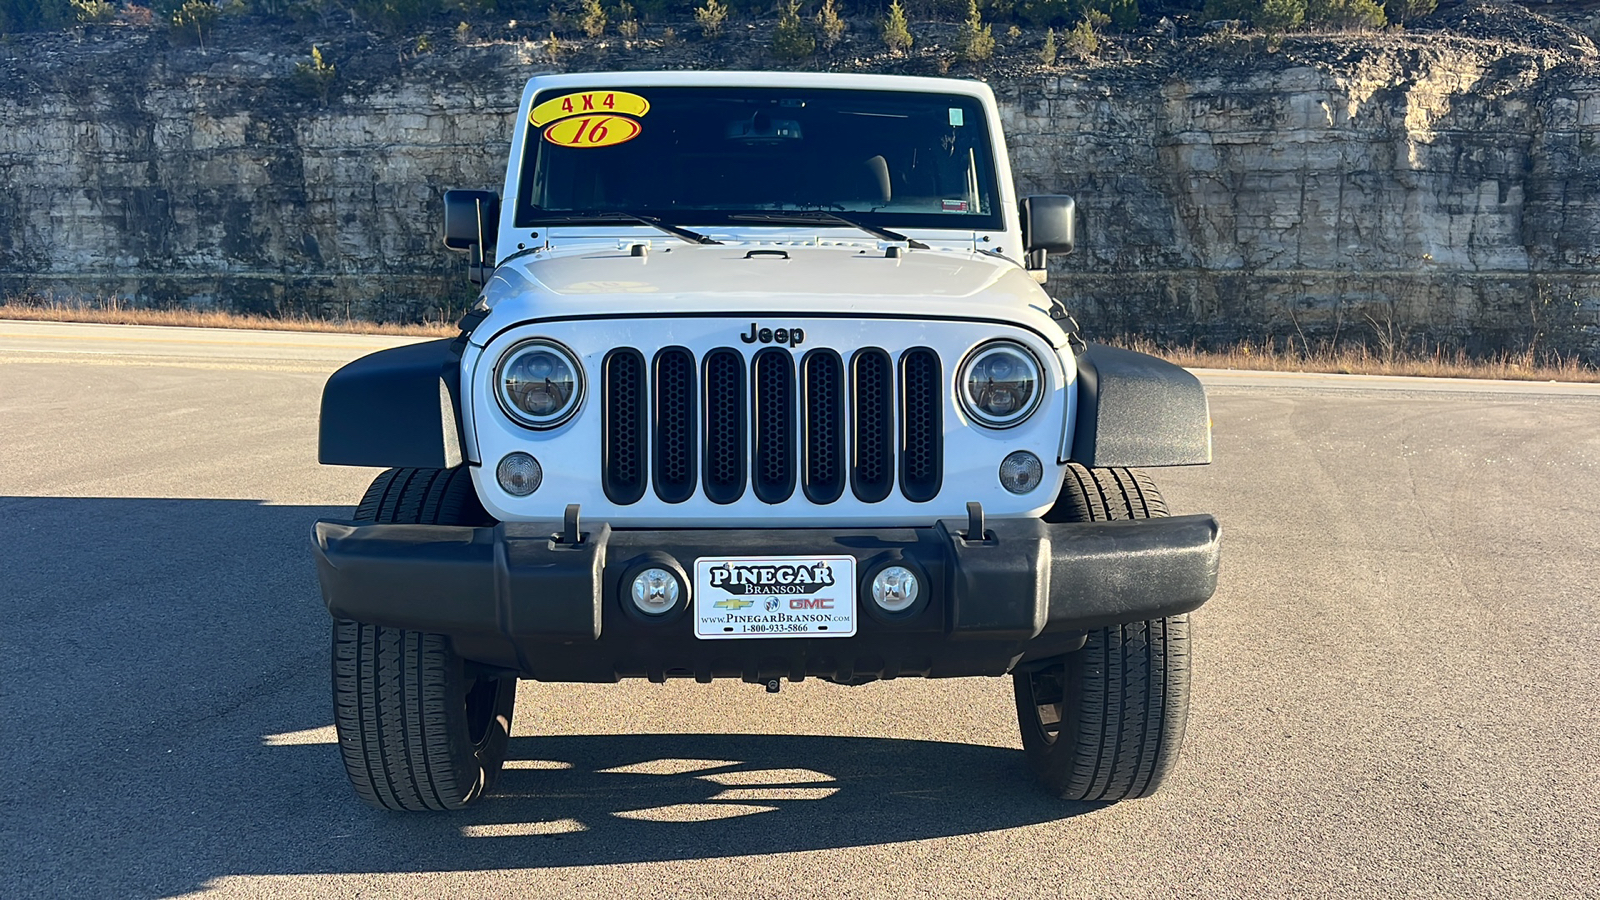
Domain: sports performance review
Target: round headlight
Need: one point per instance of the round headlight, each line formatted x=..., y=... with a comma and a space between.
x=539, y=383
x=1000, y=384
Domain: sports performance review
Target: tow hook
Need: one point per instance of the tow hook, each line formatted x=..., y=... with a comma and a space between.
x=774, y=686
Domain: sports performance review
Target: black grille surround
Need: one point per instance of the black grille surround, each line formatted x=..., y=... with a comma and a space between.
x=624, y=469
x=723, y=423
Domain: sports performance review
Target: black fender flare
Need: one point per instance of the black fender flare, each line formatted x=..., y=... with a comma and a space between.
x=395, y=408
x=1137, y=410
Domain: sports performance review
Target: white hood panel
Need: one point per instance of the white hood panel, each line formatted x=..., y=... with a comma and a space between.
x=750, y=279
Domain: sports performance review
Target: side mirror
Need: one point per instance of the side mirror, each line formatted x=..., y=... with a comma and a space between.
x=1049, y=225
x=470, y=221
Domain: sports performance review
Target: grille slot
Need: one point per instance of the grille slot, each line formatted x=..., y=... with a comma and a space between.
x=872, y=421
x=823, y=391
x=772, y=410
x=725, y=425
x=623, y=465
x=921, y=426
x=675, y=425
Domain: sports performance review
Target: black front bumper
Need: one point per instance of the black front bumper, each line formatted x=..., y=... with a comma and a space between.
x=519, y=597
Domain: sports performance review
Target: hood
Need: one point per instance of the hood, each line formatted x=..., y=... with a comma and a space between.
x=752, y=278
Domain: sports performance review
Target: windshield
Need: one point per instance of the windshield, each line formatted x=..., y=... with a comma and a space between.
x=703, y=155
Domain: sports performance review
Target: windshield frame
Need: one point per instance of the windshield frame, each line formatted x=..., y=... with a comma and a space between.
x=989, y=167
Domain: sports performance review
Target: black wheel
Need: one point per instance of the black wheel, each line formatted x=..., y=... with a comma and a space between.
x=417, y=729
x=1105, y=723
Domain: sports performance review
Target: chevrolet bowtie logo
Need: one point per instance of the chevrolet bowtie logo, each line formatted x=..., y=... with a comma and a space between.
x=733, y=603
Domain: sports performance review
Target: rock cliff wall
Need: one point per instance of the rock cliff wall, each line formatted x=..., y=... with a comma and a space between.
x=1393, y=188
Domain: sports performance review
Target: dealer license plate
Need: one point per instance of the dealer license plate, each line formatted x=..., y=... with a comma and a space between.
x=774, y=596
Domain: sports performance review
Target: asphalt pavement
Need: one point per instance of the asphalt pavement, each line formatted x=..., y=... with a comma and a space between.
x=1396, y=690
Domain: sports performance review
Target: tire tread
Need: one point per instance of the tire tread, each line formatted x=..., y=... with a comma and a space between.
x=403, y=743
x=1120, y=739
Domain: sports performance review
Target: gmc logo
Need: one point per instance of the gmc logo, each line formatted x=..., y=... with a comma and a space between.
x=811, y=603
x=792, y=337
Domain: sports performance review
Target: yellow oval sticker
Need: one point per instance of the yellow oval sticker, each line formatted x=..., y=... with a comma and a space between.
x=588, y=103
x=592, y=131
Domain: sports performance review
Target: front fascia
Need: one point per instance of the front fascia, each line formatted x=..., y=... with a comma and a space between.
x=570, y=454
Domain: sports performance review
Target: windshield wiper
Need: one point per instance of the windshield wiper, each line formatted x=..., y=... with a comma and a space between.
x=802, y=216
x=693, y=237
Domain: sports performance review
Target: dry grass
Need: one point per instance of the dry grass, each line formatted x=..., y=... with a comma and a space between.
x=1359, y=360
x=1349, y=360
x=115, y=314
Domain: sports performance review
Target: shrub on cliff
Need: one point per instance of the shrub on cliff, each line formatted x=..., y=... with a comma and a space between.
x=627, y=22
x=896, y=33
x=791, y=40
x=830, y=25
x=90, y=12
x=975, y=41
x=593, y=18
x=1083, y=41
x=196, y=19
x=711, y=18
x=1345, y=14
x=315, y=77
x=1268, y=15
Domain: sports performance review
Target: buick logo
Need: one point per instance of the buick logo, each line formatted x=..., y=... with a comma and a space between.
x=790, y=337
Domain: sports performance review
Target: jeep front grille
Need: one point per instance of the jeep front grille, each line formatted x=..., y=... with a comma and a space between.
x=764, y=425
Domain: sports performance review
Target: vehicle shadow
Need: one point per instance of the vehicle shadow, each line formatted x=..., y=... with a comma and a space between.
x=164, y=696
x=600, y=799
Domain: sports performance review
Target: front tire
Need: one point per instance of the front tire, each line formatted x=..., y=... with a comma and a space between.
x=418, y=729
x=1105, y=723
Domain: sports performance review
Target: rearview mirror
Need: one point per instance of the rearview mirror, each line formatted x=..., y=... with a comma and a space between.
x=470, y=220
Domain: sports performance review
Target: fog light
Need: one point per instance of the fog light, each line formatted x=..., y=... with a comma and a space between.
x=1021, y=472
x=895, y=588
x=519, y=474
x=655, y=591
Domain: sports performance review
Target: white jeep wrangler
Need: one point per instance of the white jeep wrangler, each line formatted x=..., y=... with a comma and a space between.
x=761, y=385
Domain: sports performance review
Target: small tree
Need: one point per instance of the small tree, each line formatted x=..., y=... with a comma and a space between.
x=91, y=12
x=830, y=25
x=975, y=41
x=1280, y=15
x=791, y=40
x=315, y=77
x=552, y=48
x=197, y=17
x=1048, y=52
x=1083, y=41
x=711, y=18
x=627, y=22
x=1345, y=14
x=593, y=19
x=896, y=33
